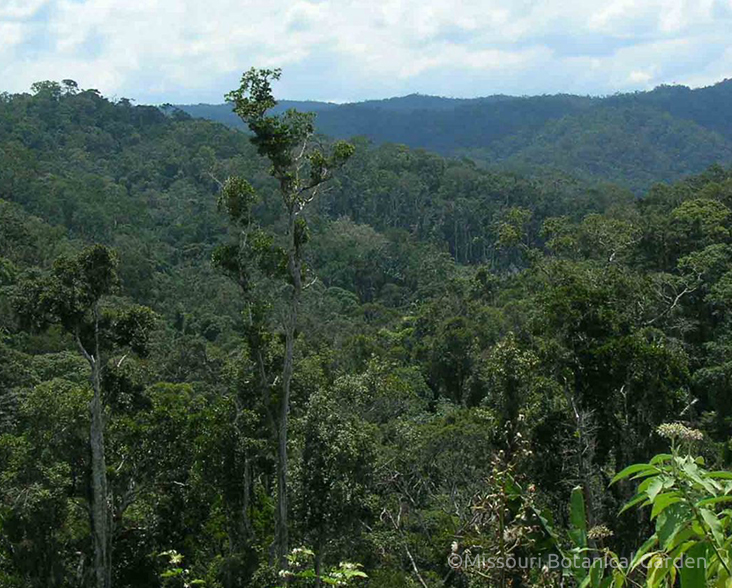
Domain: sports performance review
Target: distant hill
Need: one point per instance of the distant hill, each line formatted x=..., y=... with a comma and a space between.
x=222, y=112
x=636, y=139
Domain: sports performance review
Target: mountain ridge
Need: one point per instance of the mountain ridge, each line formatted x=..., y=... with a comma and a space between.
x=511, y=131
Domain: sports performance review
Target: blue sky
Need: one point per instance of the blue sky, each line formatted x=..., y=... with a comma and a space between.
x=156, y=51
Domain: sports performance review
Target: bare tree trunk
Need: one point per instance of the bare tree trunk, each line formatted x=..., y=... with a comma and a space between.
x=294, y=267
x=281, y=534
x=247, y=500
x=319, y=564
x=100, y=510
x=100, y=519
x=585, y=451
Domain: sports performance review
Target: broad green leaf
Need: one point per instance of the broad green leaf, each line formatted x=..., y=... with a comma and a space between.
x=634, y=501
x=618, y=579
x=577, y=516
x=660, y=458
x=713, y=523
x=670, y=522
x=715, y=500
x=645, y=484
x=684, y=535
x=676, y=553
x=720, y=475
x=692, y=470
x=633, y=469
x=663, y=501
x=645, y=474
x=596, y=572
x=643, y=552
x=658, y=568
x=693, y=576
x=654, y=488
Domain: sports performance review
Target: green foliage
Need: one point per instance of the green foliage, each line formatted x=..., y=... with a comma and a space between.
x=44, y=458
x=687, y=503
x=634, y=139
x=132, y=327
x=177, y=576
x=69, y=293
x=691, y=538
x=301, y=572
x=471, y=346
x=236, y=199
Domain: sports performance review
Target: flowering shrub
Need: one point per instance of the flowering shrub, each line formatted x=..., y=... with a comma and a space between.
x=687, y=504
x=302, y=572
x=176, y=576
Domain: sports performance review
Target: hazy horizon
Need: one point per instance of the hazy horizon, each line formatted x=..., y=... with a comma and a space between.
x=467, y=98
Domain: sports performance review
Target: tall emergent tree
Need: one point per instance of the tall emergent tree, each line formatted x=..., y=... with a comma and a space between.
x=71, y=295
x=301, y=166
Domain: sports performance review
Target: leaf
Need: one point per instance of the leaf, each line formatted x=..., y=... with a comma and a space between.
x=693, y=575
x=682, y=536
x=660, y=458
x=720, y=475
x=659, y=567
x=577, y=516
x=655, y=484
x=692, y=470
x=654, y=488
x=633, y=469
x=618, y=579
x=356, y=574
x=306, y=574
x=635, y=500
x=596, y=572
x=663, y=501
x=646, y=474
x=715, y=500
x=672, y=520
x=172, y=573
x=642, y=553
x=546, y=525
x=713, y=523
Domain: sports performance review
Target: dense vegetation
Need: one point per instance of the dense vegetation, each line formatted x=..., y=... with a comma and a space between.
x=470, y=348
x=631, y=139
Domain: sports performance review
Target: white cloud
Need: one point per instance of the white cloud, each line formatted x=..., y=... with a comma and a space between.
x=174, y=50
x=19, y=9
x=639, y=77
x=11, y=33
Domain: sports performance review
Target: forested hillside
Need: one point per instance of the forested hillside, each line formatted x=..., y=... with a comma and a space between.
x=631, y=139
x=474, y=350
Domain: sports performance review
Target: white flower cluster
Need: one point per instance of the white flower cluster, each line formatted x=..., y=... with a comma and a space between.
x=599, y=532
x=679, y=431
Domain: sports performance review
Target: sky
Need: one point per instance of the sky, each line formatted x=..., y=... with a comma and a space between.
x=189, y=51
